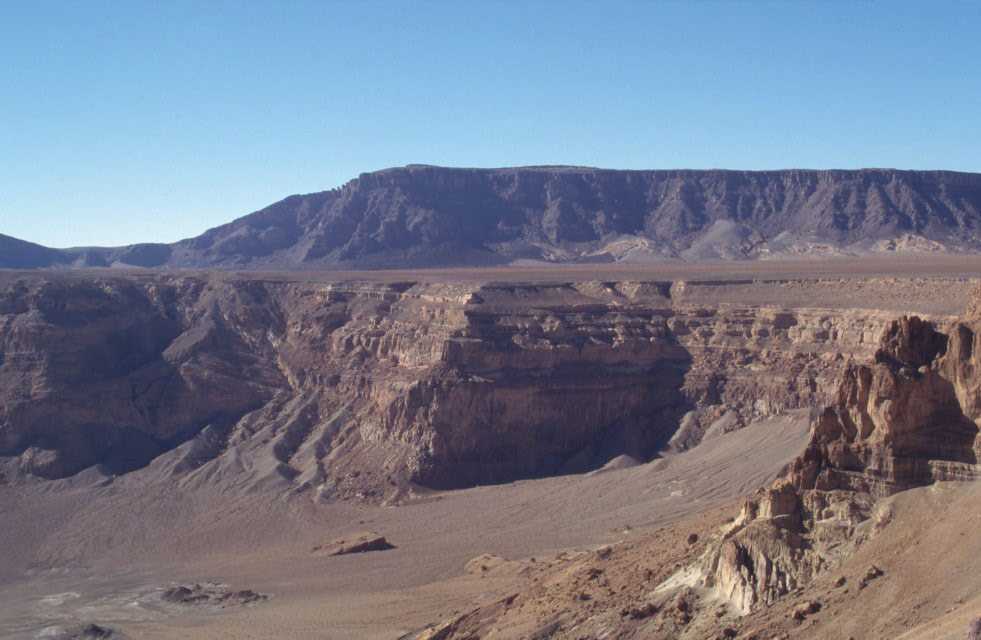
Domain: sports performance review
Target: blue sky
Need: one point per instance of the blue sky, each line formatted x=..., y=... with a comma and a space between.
x=137, y=121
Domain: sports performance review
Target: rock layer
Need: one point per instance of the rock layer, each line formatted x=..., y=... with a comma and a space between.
x=908, y=419
x=356, y=389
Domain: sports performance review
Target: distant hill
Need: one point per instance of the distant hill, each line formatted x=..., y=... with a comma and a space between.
x=434, y=216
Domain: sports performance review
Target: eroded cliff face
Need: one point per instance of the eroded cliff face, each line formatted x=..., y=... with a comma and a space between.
x=116, y=372
x=360, y=390
x=905, y=417
x=908, y=419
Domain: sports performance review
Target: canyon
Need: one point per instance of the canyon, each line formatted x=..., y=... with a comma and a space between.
x=554, y=448
x=905, y=420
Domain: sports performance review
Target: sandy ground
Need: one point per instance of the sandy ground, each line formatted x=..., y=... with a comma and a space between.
x=103, y=553
x=925, y=284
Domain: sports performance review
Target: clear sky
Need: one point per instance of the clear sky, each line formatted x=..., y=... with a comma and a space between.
x=152, y=121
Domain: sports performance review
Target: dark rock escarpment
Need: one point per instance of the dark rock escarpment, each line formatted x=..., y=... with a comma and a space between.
x=423, y=215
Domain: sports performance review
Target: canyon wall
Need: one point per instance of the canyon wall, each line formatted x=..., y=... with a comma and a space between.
x=363, y=390
x=795, y=559
x=908, y=418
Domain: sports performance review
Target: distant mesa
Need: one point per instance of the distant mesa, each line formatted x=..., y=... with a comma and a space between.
x=420, y=215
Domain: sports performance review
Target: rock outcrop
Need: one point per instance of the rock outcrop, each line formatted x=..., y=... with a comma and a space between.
x=423, y=215
x=90, y=631
x=363, y=542
x=908, y=419
x=358, y=389
x=214, y=594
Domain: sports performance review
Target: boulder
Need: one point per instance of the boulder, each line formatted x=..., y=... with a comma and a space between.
x=362, y=542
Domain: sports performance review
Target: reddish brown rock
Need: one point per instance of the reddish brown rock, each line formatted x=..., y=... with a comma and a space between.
x=355, y=543
x=906, y=420
x=358, y=390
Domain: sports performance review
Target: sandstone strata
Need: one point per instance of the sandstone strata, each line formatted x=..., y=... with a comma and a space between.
x=356, y=389
x=905, y=419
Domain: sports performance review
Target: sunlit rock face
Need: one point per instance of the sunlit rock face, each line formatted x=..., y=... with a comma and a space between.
x=362, y=390
x=907, y=419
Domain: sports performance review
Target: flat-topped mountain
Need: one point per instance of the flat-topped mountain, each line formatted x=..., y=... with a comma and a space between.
x=430, y=216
